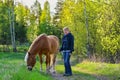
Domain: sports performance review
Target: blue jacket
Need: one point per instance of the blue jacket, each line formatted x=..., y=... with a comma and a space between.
x=67, y=42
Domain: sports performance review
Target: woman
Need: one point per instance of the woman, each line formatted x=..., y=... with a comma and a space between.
x=67, y=48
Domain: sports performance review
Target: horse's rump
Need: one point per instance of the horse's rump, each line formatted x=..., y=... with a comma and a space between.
x=54, y=43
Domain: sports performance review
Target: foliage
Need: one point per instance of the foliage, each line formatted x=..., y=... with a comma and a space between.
x=4, y=24
x=34, y=21
x=71, y=16
x=94, y=23
x=45, y=19
x=22, y=14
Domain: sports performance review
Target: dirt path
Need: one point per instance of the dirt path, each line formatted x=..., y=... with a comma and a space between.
x=59, y=76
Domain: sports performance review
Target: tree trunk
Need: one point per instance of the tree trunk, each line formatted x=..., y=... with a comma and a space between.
x=111, y=58
x=87, y=31
x=12, y=29
x=117, y=57
x=13, y=32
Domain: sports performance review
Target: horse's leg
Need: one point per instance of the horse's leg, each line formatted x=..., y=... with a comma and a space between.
x=40, y=56
x=54, y=60
x=47, y=63
x=51, y=62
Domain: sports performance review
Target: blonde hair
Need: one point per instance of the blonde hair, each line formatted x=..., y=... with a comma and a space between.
x=66, y=29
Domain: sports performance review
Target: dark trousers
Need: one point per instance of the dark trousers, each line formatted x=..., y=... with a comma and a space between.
x=66, y=56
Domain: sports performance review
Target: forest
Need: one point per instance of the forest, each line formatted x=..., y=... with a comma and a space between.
x=95, y=25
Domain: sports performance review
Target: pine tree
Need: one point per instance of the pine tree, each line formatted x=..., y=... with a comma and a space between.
x=36, y=10
x=58, y=9
x=33, y=30
x=22, y=13
x=45, y=19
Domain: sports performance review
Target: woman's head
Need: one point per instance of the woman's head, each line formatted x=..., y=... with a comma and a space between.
x=66, y=30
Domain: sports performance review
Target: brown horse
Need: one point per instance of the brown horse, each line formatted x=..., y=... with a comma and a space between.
x=43, y=44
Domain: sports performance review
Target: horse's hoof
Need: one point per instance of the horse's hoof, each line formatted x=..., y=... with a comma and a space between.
x=54, y=72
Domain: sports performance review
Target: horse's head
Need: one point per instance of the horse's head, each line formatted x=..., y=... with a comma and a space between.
x=30, y=60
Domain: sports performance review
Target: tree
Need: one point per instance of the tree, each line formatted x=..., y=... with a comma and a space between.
x=22, y=19
x=45, y=19
x=107, y=31
x=56, y=18
x=7, y=14
x=36, y=10
x=72, y=16
x=4, y=24
x=58, y=9
x=102, y=25
x=12, y=23
x=33, y=30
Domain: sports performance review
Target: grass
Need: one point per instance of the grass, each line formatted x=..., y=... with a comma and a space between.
x=13, y=67
x=111, y=71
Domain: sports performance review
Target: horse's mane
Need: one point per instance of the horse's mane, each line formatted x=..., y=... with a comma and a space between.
x=43, y=34
x=36, y=41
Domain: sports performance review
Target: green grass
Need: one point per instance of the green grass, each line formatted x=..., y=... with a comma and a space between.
x=13, y=67
x=111, y=71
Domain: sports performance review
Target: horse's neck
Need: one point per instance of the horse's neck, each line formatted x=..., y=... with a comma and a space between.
x=33, y=49
x=32, y=52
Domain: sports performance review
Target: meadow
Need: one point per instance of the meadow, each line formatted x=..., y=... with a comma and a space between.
x=13, y=67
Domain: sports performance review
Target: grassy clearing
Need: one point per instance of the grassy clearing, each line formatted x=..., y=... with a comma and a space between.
x=12, y=67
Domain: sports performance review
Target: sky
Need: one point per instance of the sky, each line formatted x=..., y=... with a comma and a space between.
x=30, y=2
